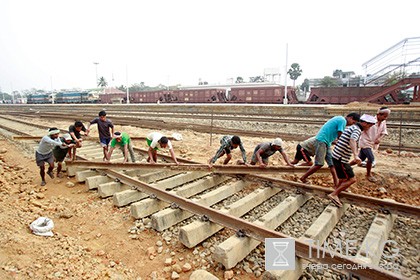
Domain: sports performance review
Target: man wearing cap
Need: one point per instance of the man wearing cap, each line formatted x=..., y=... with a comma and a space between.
x=124, y=142
x=328, y=133
x=44, y=153
x=265, y=150
x=153, y=140
x=370, y=139
x=60, y=152
x=104, y=125
x=227, y=143
x=345, y=147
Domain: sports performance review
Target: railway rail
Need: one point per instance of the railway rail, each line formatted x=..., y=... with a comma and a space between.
x=152, y=124
x=404, y=123
x=170, y=195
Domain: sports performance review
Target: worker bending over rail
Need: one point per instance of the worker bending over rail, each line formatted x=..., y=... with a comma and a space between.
x=227, y=143
x=156, y=140
x=44, y=153
x=265, y=150
x=60, y=152
x=124, y=142
x=328, y=133
x=75, y=134
x=304, y=151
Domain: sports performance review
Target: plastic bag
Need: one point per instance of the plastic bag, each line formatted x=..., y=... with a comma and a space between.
x=177, y=136
x=42, y=226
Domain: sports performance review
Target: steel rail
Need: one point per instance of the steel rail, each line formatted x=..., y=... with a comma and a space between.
x=331, y=111
x=270, y=118
x=229, y=131
x=222, y=169
x=205, y=129
x=12, y=130
x=302, y=249
x=85, y=138
x=382, y=205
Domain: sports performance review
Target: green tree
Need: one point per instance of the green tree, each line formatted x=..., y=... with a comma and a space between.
x=305, y=85
x=328, y=81
x=294, y=72
x=239, y=80
x=102, y=82
x=337, y=73
x=122, y=88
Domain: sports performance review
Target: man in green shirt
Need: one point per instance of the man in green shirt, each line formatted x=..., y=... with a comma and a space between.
x=123, y=141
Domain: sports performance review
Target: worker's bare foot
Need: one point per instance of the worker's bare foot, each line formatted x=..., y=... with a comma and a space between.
x=303, y=180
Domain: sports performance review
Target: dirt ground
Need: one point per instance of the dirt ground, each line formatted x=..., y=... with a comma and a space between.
x=91, y=237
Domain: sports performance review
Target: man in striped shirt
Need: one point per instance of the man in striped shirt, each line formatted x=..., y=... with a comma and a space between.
x=345, y=147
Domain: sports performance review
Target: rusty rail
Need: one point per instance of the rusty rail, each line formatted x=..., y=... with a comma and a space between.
x=223, y=169
x=351, y=198
x=302, y=249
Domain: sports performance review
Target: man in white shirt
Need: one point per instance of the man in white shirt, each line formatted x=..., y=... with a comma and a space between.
x=156, y=140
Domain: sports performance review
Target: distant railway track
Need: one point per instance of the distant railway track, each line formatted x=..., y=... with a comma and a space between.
x=150, y=123
x=171, y=199
x=394, y=122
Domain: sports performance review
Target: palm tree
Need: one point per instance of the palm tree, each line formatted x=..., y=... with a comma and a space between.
x=294, y=72
x=102, y=82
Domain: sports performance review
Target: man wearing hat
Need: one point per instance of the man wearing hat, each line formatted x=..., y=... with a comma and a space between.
x=60, y=152
x=124, y=142
x=265, y=150
x=44, y=153
x=370, y=139
x=345, y=147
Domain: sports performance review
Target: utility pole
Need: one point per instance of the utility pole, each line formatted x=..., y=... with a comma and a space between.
x=126, y=77
x=285, y=77
x=96, y=69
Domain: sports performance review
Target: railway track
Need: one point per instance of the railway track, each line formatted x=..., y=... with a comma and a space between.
x=403, y=123
x=199, y=204
x=152, y=124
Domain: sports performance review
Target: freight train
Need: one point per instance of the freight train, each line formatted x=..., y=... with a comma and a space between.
x=263, y=94
x=257, y=93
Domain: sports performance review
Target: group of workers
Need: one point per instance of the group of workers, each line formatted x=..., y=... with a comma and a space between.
x=353, y=135
x=53, y=148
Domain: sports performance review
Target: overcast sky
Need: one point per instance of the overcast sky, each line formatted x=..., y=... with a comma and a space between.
x=55, y=43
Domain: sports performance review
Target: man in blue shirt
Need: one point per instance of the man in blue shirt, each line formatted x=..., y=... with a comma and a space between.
x=328, y=133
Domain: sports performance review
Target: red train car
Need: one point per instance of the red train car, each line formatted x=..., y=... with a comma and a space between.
x=270, y=94
x=343, y=95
